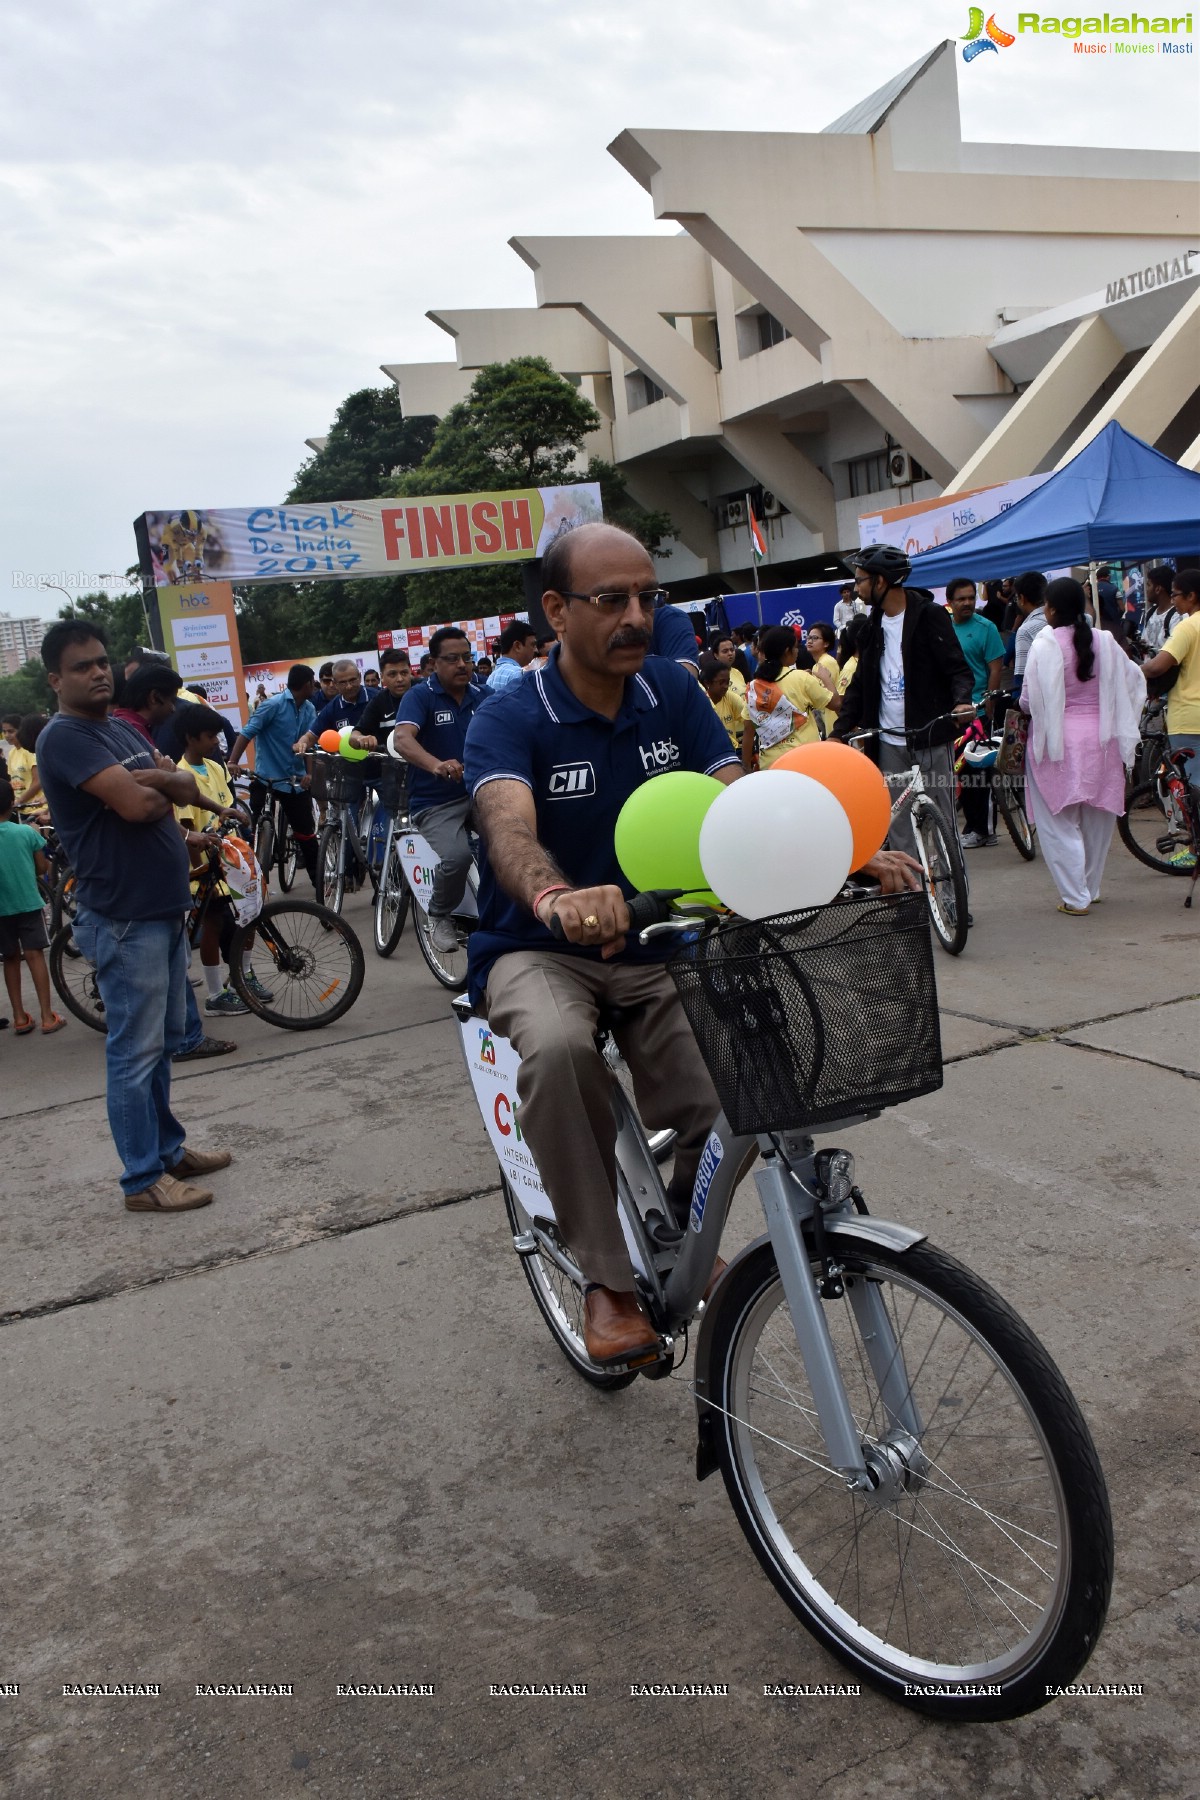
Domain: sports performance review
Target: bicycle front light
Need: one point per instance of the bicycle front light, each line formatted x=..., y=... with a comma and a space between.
x=835, y=1171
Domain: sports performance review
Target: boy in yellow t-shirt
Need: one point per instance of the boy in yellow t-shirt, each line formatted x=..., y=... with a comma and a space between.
x=728, y=705
x=202, y=730
x=20, y=737
x=1180, y=655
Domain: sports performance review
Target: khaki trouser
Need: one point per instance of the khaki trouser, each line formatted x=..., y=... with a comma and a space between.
x=546, y=1004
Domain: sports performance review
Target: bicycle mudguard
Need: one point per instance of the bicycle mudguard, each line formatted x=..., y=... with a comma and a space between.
x=847, y=1226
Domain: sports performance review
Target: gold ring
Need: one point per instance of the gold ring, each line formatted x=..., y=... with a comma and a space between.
x=591, y=923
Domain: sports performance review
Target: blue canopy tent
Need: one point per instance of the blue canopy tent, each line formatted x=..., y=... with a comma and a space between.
x=1118, y=500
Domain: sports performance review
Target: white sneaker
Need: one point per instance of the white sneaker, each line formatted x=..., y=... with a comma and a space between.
x=973, y=840
x=443, y=935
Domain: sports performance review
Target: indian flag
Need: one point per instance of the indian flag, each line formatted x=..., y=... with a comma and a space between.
x=758, y=543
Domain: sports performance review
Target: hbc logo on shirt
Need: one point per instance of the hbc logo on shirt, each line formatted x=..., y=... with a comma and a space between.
x=659, y=756
x=571, y=781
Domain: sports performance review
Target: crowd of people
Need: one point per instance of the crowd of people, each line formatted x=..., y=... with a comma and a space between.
x=135, y=769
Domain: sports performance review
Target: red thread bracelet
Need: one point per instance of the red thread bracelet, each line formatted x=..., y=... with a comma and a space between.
x=558, y=887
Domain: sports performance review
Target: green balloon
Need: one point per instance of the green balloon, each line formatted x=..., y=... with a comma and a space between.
x=657, y=837
x=351, y=752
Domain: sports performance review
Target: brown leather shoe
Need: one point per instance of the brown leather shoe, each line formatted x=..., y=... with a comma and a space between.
x=168, y=1195
x=201, y=1162
x=614, y=1326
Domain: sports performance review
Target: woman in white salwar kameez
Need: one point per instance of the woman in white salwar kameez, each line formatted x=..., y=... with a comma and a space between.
x=1085, y=699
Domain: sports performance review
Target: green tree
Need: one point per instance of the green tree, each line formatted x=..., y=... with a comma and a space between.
x=520, y=426
x=121, y=616
x=369, y=442
x=27, y=691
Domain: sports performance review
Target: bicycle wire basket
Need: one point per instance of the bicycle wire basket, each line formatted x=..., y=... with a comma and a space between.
x=334, y=780
x=813, y=1016
x=389, y=779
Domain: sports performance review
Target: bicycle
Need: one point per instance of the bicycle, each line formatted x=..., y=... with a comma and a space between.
x=341, y=786
x=409, y=867
x=903, y=1456
x=1161, y=821
x=940, y=854
x=1007, y=787
x=274, y=839
x=301, y=954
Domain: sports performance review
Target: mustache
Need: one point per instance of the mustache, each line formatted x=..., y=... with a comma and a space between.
x=630, y=637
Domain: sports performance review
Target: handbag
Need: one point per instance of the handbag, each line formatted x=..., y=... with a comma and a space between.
x=1015, y=738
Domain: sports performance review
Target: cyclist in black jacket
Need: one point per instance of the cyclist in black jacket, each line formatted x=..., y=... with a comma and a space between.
x=910, y=671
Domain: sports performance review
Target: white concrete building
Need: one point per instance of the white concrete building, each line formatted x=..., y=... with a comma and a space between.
x=859, y=317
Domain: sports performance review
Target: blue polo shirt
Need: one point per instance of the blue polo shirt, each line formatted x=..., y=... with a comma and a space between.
x=339, y=711
x=581, y=769
x=673, y=636
x=441, y=723
x=274, y=728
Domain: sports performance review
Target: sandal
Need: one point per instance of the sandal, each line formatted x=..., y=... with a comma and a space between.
x=1076, y=912
x=56, y=1024
x=25, y=1029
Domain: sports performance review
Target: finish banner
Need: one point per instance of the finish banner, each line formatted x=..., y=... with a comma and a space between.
x=359, y=537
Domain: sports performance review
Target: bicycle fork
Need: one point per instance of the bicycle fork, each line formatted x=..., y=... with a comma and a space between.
x=787, y=1203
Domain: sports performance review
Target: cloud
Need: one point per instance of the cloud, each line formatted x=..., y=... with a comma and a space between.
x=221, y=221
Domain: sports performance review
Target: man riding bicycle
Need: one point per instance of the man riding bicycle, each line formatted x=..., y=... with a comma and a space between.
x=430, y=735
x=280, y=728
x=549, y=764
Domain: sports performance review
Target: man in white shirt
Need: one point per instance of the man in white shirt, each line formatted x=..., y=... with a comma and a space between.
x=1159, y=614
x=1031, y=595
x=848, y=607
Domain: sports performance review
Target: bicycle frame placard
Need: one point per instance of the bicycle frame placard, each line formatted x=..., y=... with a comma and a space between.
x=420, y=867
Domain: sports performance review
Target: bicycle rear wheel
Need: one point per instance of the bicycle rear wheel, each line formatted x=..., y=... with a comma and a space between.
x=945, y=878
x=1148, y=834
x=306, y=957
x=983, y=1556
x=331, y=867
x=559, y=1297
x=447, y=966
x=1010, y=800
x=392, y=899
x=63, y=900
x=75, y=980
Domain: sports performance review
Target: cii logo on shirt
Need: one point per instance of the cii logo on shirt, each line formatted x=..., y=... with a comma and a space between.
x=975, y=42
x=571, y=781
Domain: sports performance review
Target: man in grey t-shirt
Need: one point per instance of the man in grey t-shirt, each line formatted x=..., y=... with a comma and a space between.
x=1030, y=596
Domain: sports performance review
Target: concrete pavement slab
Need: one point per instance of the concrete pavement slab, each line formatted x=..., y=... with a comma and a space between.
x=1166, y=1035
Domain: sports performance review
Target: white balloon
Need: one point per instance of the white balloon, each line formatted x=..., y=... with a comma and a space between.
x=775, y=846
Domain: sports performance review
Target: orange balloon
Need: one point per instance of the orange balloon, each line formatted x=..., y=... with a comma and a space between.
x=329, y=740
x=855, y=781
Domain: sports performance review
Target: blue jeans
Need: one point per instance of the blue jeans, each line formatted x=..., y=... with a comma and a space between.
x=141, y=970
x=1189, y=740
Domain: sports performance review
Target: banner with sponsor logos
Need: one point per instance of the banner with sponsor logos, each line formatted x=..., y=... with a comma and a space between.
x=415, y=638
x=271, y=677
x=200, y=635
x=338, y=539
x=924, y=524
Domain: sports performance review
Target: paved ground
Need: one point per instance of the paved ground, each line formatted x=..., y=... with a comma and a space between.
x=316, y=1433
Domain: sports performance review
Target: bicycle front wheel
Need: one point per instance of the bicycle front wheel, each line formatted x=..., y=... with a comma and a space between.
x=307, y=959
x=945, y=878
x=331, y=868
x=977, y=1571
x=447, y=966
x=1146, y=832
x=559, y=1297
x=391, y=901
x=75, y=980
x=288, y=857
x=1010, y=799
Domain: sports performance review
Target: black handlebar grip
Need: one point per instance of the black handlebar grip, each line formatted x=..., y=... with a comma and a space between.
x=651, y=908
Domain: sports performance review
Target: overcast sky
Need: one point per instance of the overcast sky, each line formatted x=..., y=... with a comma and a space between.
x=220, y=220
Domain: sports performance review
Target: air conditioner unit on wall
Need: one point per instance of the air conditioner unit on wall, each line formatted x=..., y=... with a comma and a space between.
x=772, y=506
x=900, y=468
x=733, y=513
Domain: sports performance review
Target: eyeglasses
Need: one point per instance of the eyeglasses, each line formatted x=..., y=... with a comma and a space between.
x=649, y=599
x=463, y=656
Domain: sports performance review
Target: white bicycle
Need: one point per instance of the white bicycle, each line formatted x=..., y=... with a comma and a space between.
x=906, y=1461
x=406, y=882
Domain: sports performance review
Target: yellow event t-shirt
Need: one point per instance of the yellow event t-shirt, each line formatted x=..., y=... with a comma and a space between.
x=1183, y=701
x=847, y=675
x=213, y=783
x=804, y=694
x=733, y=715
x=828, y=666
x=21, y=766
